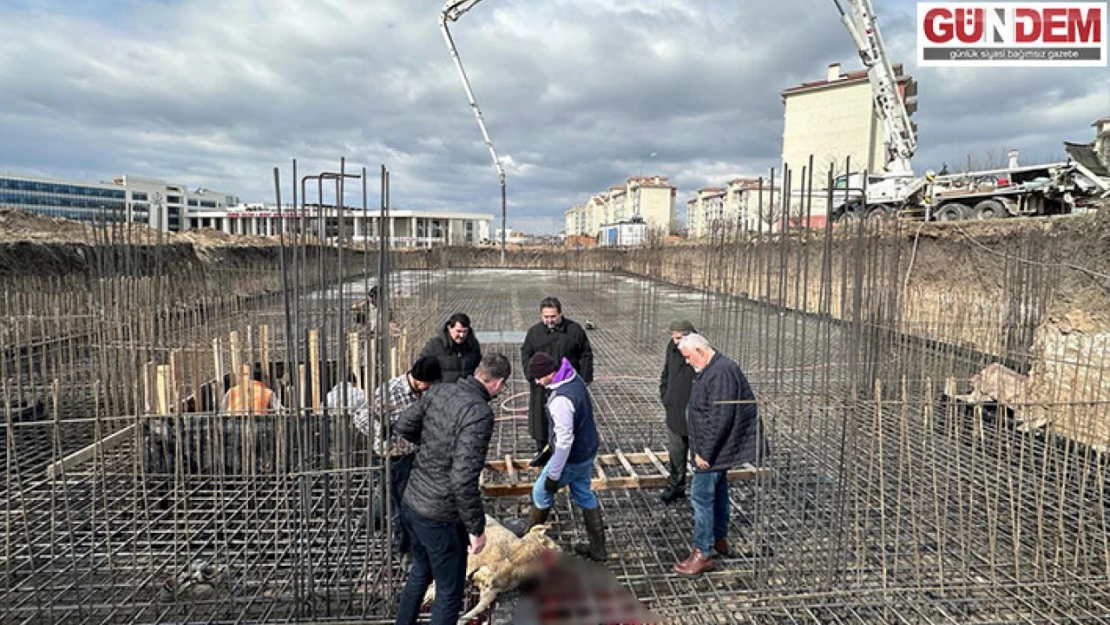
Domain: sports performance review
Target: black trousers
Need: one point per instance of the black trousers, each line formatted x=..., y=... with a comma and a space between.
x=399, y=474
x=438, y=554
x=678, y=448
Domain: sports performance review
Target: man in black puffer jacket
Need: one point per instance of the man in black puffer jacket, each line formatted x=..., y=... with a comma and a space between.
x=455, y=347
x=443, y=502
x=725, y=432
x=674, y=391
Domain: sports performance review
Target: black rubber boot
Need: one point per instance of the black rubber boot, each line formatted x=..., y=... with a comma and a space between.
x=521, y=527
x=538, y=516
x=595, y=531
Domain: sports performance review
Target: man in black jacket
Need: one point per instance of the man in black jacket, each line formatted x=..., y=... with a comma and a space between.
x=443, y=502
x=558, y=337
x=725, y=432
x=674, y=392
x=455, y=347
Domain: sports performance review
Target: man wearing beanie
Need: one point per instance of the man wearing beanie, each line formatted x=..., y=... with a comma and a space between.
x=674, y=392
x=558, y=337
x=401, y=392
x=442, y=510
x=573, y=437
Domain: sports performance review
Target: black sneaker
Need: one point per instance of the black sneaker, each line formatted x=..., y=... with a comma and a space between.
x=671, y=496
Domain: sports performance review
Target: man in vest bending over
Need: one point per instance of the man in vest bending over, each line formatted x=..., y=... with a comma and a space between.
x=573, y=433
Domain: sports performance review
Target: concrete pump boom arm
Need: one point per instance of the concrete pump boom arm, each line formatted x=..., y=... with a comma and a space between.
x=898, y=134
x=452, y=11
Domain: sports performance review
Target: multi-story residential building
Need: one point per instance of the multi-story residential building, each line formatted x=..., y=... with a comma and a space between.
x=596, y=210
x=653, y=200
x=618, y=205
x=836, y=119
x=707, y=211
x=575, y=220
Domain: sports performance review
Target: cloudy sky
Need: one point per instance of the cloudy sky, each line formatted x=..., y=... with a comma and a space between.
x=576, y=93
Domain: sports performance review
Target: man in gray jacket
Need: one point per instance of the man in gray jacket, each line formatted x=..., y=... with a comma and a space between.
x=442, y=502
x=725, y=432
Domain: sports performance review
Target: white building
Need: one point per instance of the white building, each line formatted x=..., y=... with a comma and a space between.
x=405, y=228
x=127, y=198
x=652, y=199
x=173, y=207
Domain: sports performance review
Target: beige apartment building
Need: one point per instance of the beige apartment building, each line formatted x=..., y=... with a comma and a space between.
x=617, y=209
x=574, y=217
x=595, y=213
x=649, y=198
x=835, y=119
x=705, y=211
x=653, y=200
x=750, y=204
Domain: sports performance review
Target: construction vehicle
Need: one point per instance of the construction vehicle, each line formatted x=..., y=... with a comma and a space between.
x=1053, y=188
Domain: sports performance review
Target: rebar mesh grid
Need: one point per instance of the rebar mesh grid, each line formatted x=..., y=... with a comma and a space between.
x=887, y=500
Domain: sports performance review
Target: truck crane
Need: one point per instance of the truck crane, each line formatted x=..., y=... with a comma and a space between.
x=1052, y=188
x=1044, y=189
x=452, y=11
x=885, y=191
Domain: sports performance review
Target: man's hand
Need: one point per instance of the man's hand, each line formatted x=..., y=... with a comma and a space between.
x=550, y=485
x=700, y=462
x=477, y=544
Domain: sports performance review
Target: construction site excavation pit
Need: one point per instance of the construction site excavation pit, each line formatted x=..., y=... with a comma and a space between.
x=883, y=499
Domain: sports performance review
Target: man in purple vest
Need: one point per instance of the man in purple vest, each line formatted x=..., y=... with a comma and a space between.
x=572, y=432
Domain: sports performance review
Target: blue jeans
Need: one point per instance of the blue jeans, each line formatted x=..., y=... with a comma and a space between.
x=438, y=553
x=709, y=497
x=577, y=476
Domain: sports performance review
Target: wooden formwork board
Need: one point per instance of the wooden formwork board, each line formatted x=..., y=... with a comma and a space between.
x=511, y=477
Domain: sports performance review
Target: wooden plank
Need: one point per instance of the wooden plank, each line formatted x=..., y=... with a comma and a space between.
x=499, y=465
x=162, y=396
x=264, y=346
x=89, y=452
x=314, y=362
x=628, y=467
x=600, y=471
x=511, y=469
x=657, y=462
x=617, y=483
x=613, y=460
x=233, y=342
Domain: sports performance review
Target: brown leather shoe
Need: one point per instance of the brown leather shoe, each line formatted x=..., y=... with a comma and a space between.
x=696, y=564
x=721, y=547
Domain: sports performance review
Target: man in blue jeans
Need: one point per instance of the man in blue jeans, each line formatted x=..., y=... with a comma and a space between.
x=725, y=432
x=572, y=431
x=442, y=510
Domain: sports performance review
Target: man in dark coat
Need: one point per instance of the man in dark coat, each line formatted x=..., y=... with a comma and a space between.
x=674, y=392
x=442, y=509
x=725, y=432
x=558, y=337
x=455, y=347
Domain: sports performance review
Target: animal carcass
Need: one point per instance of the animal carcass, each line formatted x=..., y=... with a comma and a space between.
x=505, y=562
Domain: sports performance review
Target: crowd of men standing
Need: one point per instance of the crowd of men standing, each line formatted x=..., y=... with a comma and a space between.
x=440, y=424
